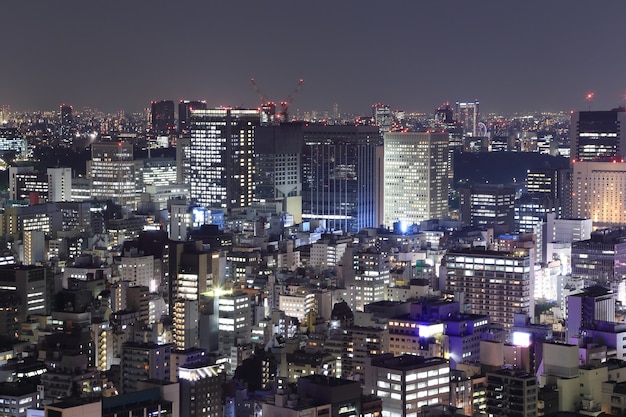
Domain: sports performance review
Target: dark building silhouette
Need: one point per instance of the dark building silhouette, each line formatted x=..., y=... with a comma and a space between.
x=184, y=112
x=162, y=117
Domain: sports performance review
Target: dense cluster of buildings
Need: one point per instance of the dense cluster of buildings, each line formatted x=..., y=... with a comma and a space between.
x=299, y=268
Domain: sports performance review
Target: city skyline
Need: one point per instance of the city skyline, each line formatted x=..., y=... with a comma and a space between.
x=530, y=56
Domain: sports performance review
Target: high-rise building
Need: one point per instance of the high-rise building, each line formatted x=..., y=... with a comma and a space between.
x=598, y=135
x=112, y=172
x=488, y=205
x=221, y=157
x=467, y=115
x=597, y=192
x=162, y=117
x=597, y=150
x=415, y=177
x=278, y=166
x=495, y=284
x=339, y=181
x=184, y=112
x=67, y=123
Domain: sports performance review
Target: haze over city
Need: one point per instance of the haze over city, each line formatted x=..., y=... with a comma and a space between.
x=322, y=209
x=514, y=57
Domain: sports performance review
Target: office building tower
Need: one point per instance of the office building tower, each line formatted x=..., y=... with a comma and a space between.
x=598, y=192
x=415, y=179
x=567, y=230
x=542, y=181
x=495, y=284
x=339, y=181
x=467, y=115
x=488, y=205
x=155, y=172
x=598, y=135
x=31, y=284
x=235, y=320
x=162, y=117
x=184, y=113
x=112, y=173
x=278, y=166
x=511, y=393
x=59, y=184
x=382, y=117
x=601, y=259
x=221, y=157
x=407, y=383
x=531, y=211
x=27, y=184
x=68, y=128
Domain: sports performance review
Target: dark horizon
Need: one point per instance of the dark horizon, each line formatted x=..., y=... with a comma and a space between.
x=529, y=56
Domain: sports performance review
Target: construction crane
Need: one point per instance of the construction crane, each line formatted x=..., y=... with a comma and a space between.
x=268, y=107
x=284, y=105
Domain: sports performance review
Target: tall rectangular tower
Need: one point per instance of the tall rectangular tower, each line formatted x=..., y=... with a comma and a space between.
x=598, y=135
x=415, y=177
x=467, y=115
x=112, y=172
x=338, y=168
x=221, y=154
x=162, y=117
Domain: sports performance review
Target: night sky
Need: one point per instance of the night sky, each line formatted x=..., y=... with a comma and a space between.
x=512, y=55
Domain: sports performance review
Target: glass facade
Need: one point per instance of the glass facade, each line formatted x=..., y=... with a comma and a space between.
x=339, y=165
x=221, y=157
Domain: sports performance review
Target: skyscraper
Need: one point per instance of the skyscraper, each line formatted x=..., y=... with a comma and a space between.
x=598, y=192
x=221, y=154
x=467, y=115
x=488, y=205
x=339, y=175
x=112, y=172
x=598, y=135
x=415, y=177
x=162, y=117
x=597, y=150
x=184, y=113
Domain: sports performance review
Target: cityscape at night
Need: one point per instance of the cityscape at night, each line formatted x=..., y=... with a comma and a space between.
x=323, y=209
